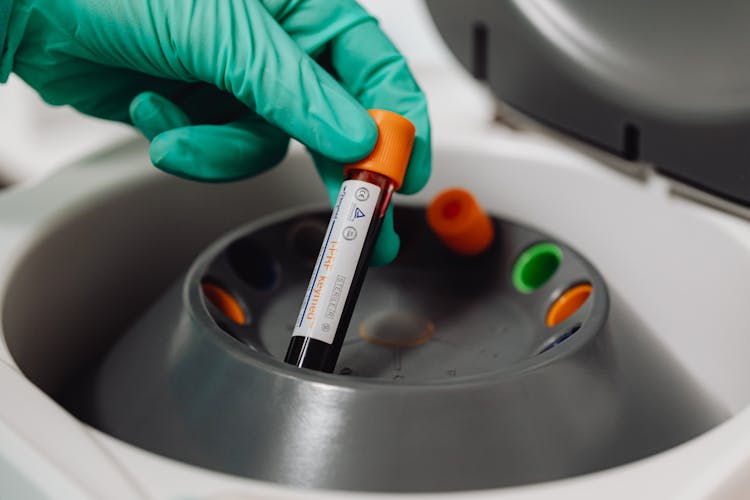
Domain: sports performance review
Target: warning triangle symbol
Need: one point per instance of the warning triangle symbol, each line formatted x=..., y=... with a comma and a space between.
x=358, y=213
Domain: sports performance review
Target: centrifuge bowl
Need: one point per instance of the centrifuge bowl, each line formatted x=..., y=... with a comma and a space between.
x=94, y=247
x=482, y=403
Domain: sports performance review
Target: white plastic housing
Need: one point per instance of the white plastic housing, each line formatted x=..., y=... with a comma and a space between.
x=107, y=229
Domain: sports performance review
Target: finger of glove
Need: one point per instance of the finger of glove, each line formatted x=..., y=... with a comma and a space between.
x=220, y=153
x=191, y=103
x=388, y=242
x=254, y=59
x=373, y=70
x=367, y=64
x=154, y=114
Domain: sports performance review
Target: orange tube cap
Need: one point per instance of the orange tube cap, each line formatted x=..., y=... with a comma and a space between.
x=391, y=153
x=457, y=219
x=224, y=301
x=568, y=303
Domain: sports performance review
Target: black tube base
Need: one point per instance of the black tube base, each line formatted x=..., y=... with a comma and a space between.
x=307, y=352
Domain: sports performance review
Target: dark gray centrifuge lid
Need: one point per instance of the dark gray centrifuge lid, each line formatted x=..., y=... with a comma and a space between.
x=664, y=82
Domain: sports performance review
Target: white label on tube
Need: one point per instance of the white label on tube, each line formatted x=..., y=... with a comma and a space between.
x=332, y=276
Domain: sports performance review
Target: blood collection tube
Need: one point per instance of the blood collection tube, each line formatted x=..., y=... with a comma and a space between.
x=348, y=243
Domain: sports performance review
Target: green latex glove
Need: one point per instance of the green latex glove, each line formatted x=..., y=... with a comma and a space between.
x=219, y=86
x=4, y=17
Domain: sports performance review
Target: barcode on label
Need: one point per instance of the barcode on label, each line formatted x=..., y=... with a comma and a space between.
x=338, y=288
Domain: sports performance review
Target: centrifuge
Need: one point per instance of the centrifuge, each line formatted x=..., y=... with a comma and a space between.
x=144, y=318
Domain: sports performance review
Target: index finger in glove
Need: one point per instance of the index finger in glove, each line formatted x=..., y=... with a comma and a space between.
x=257, y=61
x=366, y=63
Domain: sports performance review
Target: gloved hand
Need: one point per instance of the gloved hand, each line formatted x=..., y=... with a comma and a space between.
x=219, y=86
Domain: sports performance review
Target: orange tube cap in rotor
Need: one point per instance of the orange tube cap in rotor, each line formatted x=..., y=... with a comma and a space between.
x=568, y=303
x=224, y=301
x=391, y=153
x=457, y=219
